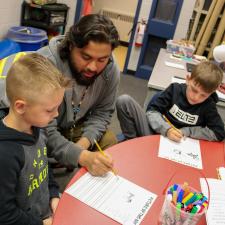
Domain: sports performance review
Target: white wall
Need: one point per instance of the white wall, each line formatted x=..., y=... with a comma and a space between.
x=128, y=6
x=71, y=13
x=184, y=19
x=10, y=15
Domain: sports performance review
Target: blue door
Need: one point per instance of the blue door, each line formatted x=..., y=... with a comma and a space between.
x=160, y=27
x=78, y=10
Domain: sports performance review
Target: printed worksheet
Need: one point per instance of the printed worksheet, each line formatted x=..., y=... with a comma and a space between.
x=178, y=80
x=221, y=173
x=114, y=196
x=175, y=65
x=215, y=215
x=186, y=152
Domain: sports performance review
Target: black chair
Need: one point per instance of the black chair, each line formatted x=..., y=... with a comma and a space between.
x=153, y=99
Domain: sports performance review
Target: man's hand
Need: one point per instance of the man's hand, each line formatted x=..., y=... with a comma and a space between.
x=96, y=163
x=47, y=221
x=174, y=134
x=53, y=204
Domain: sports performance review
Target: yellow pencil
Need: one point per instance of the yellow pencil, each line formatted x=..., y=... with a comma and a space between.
x=102, y=152
x=170, y=123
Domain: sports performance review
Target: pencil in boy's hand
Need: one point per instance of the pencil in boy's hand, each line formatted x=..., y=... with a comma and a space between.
x=165, y=118
x=102, y=152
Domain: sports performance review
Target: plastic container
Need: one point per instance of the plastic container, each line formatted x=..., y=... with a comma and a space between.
x=180, y=48
x=29, y=38
x=8, y=47
x=172, y=215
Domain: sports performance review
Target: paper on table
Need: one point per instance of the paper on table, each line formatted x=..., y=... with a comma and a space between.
x=220, y=95
x=221, y=171
x=215, y=215
x=178, y=80
x=186, y=152
x=114, y=196
x=175, y=65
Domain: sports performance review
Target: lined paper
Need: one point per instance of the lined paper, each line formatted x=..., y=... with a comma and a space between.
x=114, y=196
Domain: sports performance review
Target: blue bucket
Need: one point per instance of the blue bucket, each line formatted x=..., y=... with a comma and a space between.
x=8, y=47
x=29, y=38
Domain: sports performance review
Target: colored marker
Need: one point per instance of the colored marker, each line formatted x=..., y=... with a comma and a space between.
x=174, y=197
x=187, y=197
x=186, y=189
x=175, y=186
x=178, y=210
x=180, y=195
x=198, y=197
x=191, y=200
x=194, y=210
x=169, y=197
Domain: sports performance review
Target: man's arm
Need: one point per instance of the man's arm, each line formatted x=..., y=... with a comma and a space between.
x=63, y=150
x=69, y=153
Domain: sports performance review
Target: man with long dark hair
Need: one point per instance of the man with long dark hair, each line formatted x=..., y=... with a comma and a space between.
x=85, y=55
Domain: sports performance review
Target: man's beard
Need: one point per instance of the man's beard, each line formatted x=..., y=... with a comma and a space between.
x=79, y=77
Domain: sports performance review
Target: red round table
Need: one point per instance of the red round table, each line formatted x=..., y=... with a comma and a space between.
x=137, y=160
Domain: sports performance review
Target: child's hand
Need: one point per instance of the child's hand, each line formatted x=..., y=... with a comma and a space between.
x=174, y=134
x=54, y=203
x=47, y=221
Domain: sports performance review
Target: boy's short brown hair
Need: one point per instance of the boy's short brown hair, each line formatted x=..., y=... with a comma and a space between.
x=32, y=75
x=208, y=75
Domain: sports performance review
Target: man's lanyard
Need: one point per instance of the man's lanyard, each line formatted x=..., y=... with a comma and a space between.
x=76, y=109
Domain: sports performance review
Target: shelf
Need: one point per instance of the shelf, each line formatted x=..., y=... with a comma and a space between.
x=35, y=23
x=45, y=17
x=198, y=20
x=49, y=7
x=201, y=11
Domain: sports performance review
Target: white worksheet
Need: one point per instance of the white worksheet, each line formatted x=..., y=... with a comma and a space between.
x=221, y=171
x=114, y=196
x=186, y=152
x=178, y=80
x=175, y=65
x=220, y=95
x=215, y=215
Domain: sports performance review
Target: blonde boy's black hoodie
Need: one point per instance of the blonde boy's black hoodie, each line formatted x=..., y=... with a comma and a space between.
x=26, y=182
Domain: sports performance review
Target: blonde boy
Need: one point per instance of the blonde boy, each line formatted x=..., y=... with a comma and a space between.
x=28, y=193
